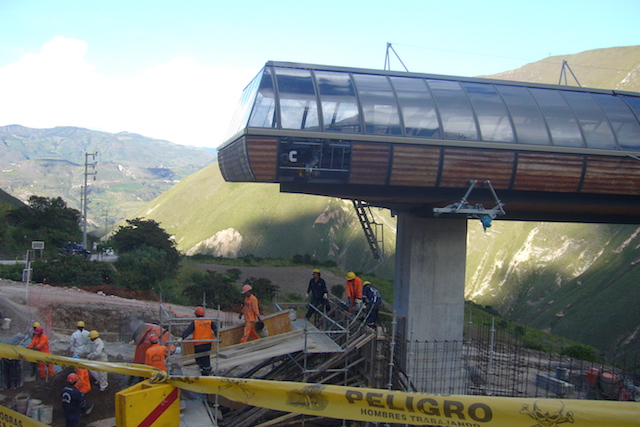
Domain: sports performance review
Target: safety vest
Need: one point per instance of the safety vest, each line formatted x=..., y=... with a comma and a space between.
x=202, y=331
x=156, y=356
x=84, y=382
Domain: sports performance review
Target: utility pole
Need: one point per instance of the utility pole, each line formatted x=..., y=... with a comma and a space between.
x=87, y=165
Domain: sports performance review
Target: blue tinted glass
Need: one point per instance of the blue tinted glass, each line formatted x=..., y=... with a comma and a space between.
x=241, y=115
x=634, y=103
x=418, y=110
x=491, y=112
x=624, y=122
x=595, y=126
x=525, y=114
x=378, y=104
x=561, y=121
x=297, y=97
x=455, y=110
x=263, y=113
x=338, y=100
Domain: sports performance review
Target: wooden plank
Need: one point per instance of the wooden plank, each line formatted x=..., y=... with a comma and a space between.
x=263, y=155
x=612, y=175
x=415, y=165
x=369, y=163
x=462, y=165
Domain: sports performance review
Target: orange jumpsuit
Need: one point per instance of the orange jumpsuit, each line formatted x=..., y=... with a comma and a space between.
x=156, y=356
x=84, y=382
x=251, y=313
x=41, y=343
x=354, y=291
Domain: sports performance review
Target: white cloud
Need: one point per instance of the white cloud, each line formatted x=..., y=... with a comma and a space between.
x=180, y=101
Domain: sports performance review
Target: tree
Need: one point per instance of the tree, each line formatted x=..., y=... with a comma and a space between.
x=218, y=289
x=263, y=289
x=143, y=268
x=144, y=234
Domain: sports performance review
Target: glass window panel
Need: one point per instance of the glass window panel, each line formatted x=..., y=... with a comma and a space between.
x=624, y=123
x=297, y=96
x=491, y=112
x=560, y=119
x=634, y=103
x=338, y=100
x=525, y=114
x=263, y=114
x=592, y=120
x=455, y=110
x=417, y=107
x=379, y=107
x=241, y=115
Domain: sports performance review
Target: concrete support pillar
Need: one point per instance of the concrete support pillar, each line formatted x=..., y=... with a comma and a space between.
x=429, y=294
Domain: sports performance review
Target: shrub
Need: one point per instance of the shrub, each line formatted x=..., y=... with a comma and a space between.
x=582, y=352
x=338, y=291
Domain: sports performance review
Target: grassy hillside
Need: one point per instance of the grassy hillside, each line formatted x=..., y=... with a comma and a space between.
x=209, y=215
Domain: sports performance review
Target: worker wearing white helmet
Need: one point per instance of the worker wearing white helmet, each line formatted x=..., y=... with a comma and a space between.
x=318, y=290
x=79, y=342
x=98, y=352
x=251, y=313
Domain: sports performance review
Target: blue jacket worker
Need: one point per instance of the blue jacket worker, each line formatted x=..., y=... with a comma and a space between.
x=318, y=290
x=73, y=403
x=373, y=299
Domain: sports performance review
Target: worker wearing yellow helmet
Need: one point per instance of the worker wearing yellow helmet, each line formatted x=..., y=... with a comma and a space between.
x=318, y=290
x=98, y=352
x=79, y=342
x=354, y=291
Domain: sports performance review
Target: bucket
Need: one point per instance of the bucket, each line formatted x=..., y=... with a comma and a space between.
x=46, y=414
x=6, y=323
x=32, y=408
x=22, y=401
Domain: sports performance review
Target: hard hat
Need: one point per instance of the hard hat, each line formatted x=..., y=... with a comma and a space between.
x=351, y=275
x=36, y=324
x=72, y=378
x=366, y=282
x=80, y=324
x=153, y=339
x=94, y=334
x=39, y=330
x=199, y=311
x=316, y=271
x=246, y=288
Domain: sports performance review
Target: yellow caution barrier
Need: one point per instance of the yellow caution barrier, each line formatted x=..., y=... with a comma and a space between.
x=146, y=404
x=9, y=417
x=375, y=405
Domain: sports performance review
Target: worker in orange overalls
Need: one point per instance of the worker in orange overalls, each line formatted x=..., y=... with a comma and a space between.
x=84, y=381
x=354, y=291
x=156, y=355
x=40, y=342
x=251, y=313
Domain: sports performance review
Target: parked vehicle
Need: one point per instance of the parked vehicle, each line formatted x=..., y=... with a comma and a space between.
x=74, y=249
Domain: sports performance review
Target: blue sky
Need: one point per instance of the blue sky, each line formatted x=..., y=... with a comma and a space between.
x=175, y=70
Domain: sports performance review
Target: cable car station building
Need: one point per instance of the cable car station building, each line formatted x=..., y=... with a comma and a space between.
x=417, y=143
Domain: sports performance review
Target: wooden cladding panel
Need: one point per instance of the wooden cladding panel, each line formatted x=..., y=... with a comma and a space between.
x=462, y=165
x=548, y=172
x=612, y=175
x=263, y=155
x=369, y=164
x=415, y=166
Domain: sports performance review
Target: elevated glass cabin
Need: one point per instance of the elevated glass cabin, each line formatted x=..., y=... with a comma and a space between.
x=324, y=125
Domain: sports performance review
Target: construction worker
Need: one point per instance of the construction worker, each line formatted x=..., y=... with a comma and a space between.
x=156, y=355
x=373, y=299
x=84, y=381
x=251, y=313
x=40, y=342
x=79, y=342
x=99, y=353
x=202, y=330
x=354, y=291
x=73, y=402
x=33, y=329
x=318, y=290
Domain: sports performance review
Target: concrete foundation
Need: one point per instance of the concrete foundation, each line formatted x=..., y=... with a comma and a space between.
x=429, y=295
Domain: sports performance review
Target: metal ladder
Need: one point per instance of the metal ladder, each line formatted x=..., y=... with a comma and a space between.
x=370, y=227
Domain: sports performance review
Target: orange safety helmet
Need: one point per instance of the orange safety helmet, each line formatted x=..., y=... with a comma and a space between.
x=153, y=339
x=39, y=330
x=72, y=378
x=199, y=311
x=246, y=288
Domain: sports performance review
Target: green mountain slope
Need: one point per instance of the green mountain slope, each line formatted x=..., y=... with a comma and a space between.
x=131, y=171
x=208, y=215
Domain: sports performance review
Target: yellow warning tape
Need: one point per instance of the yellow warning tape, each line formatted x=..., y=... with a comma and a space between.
x=375, y=405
